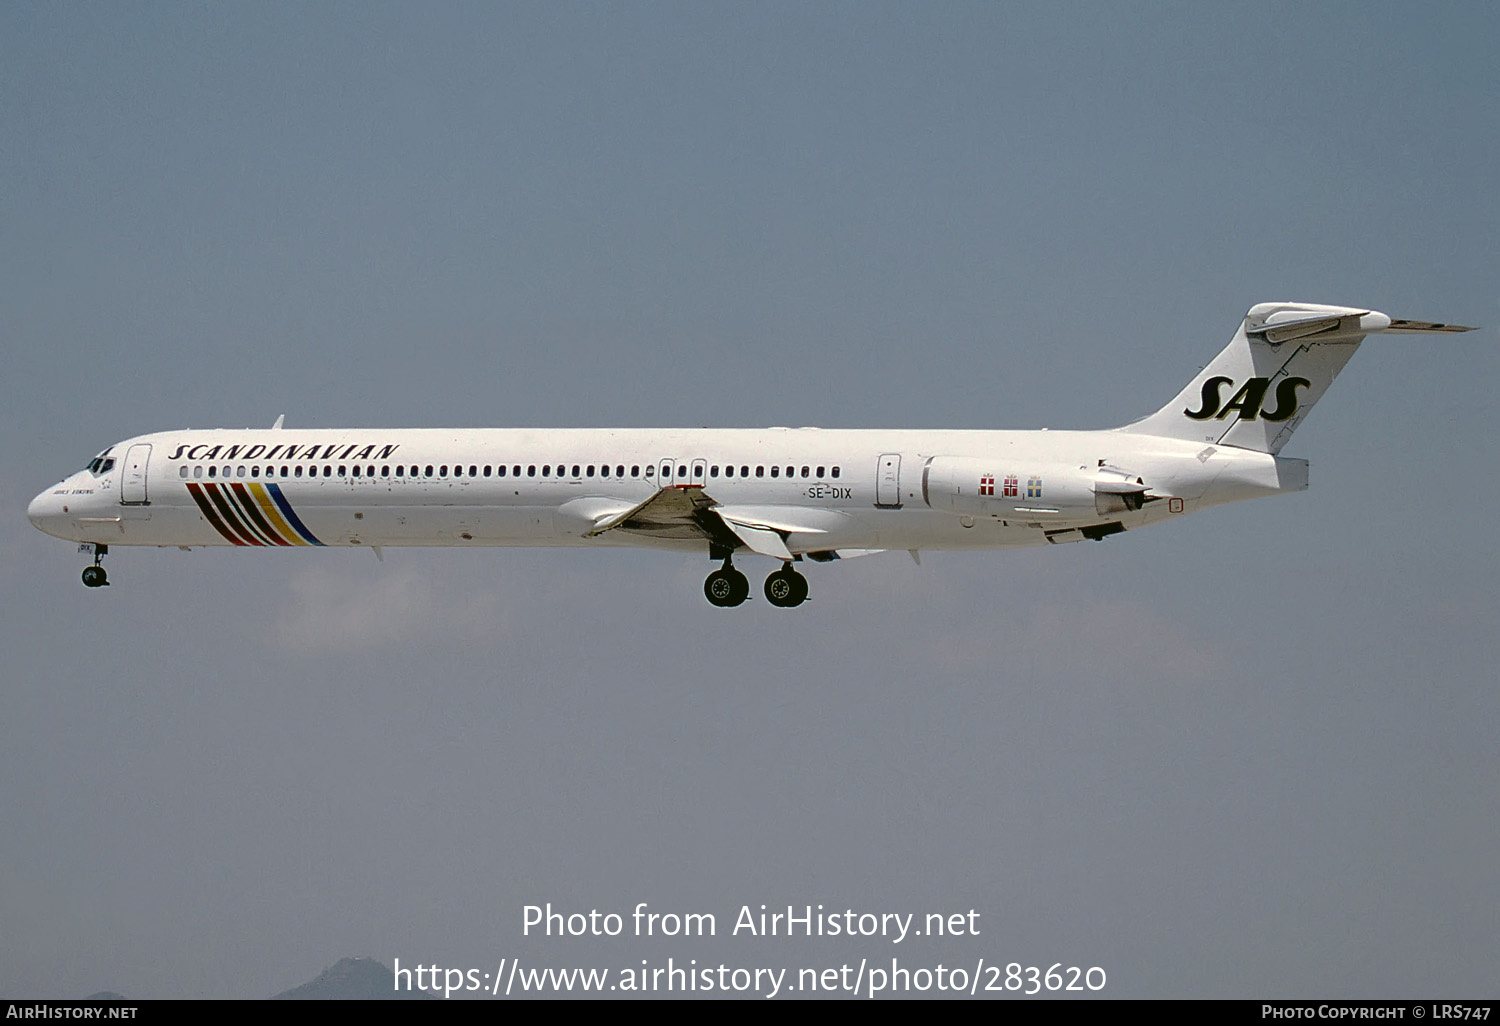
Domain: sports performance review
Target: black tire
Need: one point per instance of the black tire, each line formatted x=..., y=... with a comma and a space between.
x=800, y=583
x=722, y=589
x=95, y=577
x=786, y=588
x=741, y=587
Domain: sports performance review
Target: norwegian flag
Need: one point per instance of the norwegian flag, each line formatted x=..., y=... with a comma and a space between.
x=1012, y=486
x=987, y=484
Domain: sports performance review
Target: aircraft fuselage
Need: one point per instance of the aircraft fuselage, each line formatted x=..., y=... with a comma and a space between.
x=789, y=494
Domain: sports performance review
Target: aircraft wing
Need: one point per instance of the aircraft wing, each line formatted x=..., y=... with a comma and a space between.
x=757, y=537
x=687, y=511
x=676, y=511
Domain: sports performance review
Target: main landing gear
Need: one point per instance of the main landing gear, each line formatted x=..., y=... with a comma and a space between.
x=786, y=588
x=728, y=587
x=94, y=576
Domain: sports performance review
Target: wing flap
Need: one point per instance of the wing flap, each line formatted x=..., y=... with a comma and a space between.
x=670, y=509
x=686, y=511
x=764, y=540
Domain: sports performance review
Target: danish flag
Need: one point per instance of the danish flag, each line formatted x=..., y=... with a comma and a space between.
x=987, y=484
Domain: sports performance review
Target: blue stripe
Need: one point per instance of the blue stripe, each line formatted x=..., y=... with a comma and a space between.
x=291, y=517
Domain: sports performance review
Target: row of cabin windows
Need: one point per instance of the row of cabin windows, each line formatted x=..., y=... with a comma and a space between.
x=474, y=470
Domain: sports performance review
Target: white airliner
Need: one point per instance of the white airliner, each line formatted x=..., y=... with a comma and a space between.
x=790, y=494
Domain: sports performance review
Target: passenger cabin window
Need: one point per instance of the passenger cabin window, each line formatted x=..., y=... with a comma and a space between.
x=182, y=471
x=775, y=471
x=835, y=471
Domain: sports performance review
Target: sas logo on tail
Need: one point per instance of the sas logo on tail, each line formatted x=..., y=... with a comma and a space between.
x=1248, y=400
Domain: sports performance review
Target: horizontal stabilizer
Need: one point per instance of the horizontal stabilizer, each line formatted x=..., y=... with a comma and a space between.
x=1423, y=328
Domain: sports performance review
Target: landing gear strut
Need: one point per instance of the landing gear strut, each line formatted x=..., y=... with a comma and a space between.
x=94, y=576
x=726, y=586
x=786, y=588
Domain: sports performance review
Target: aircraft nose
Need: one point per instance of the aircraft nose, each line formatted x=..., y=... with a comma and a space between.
x=46, y=513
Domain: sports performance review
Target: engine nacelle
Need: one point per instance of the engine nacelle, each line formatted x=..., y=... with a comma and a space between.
x=1031, y=492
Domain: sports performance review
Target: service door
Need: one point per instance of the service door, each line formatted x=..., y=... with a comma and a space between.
x=888, y=481
x=133, y=476
x=664, y=471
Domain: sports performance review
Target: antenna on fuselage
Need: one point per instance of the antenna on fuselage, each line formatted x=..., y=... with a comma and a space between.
x=279, y=421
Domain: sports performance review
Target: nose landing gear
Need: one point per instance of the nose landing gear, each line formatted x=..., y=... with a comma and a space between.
x=94, y=576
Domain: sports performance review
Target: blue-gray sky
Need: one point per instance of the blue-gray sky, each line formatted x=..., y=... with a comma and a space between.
x=1248, y=754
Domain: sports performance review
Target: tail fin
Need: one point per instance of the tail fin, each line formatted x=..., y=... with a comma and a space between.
x=1279, y=363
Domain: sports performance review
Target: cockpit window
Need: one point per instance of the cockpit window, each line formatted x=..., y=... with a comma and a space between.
x=99, y=466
